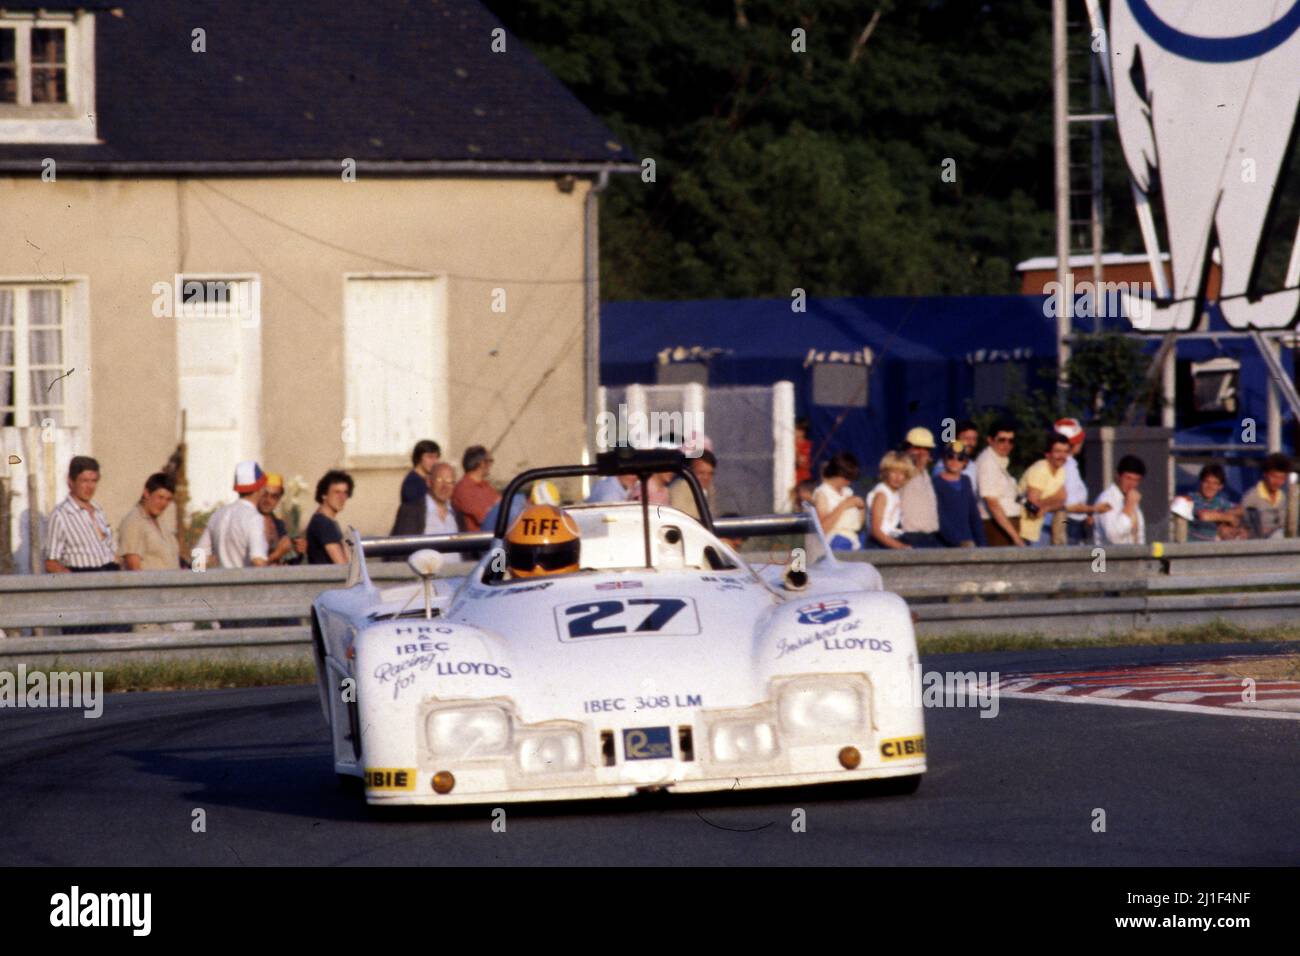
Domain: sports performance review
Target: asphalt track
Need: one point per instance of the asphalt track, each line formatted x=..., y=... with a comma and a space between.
x=1177, y=789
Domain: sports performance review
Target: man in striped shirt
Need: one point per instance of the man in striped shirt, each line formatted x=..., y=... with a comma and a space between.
x=79, y=536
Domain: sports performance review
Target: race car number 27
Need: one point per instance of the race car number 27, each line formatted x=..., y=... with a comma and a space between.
x=594, y=619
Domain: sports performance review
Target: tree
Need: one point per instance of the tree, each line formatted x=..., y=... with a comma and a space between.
x=1106, y=374
x=819, y=169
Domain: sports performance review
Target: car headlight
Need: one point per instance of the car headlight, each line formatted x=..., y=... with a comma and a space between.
x=464, y=732
x=552, y=751
x=732, y=741
x=822, y=708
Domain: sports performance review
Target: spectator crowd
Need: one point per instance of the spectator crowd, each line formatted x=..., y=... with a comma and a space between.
x=925, y=496
x=248, y=532
x=959, y=495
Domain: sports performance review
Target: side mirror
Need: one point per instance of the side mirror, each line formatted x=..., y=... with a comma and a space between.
x=426, y=563
x=796, y=571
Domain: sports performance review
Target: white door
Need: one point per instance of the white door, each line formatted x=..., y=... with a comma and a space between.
x=219, y=364
x=395, y=340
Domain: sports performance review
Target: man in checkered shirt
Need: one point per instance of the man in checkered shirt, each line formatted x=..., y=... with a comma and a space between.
x=79, y=537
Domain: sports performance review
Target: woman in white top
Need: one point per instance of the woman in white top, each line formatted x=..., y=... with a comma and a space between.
x=841, y=512
x=884, y=504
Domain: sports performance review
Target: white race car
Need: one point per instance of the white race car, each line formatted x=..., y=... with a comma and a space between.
x=666, y=662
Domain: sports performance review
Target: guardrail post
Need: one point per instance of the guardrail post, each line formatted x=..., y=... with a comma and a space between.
x=1179, y=529
x=6, y=530
x=1059, y=527
x=1292, y=507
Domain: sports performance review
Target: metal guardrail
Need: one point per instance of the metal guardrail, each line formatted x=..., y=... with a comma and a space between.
x=218, y=613
x=1064, y=591
x=1052, y=591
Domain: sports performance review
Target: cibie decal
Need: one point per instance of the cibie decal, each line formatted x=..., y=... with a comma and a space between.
x=902, y=747
x=383, y=778
x=647, y=743
x=823, y=612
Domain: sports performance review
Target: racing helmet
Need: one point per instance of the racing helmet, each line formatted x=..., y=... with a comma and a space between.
x=543, y=540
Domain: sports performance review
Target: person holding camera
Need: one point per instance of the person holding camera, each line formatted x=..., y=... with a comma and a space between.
x=1042, y=489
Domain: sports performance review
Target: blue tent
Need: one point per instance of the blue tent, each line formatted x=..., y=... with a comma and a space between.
x=923, y=357
x=1241, y=419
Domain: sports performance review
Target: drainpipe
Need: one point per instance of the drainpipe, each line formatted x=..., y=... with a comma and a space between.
x=591, y=311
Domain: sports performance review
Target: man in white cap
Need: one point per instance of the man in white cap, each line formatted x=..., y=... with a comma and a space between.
x=919, y=505
x=236, y=533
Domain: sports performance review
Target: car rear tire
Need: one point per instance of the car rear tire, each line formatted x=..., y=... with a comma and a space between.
x=354, y=726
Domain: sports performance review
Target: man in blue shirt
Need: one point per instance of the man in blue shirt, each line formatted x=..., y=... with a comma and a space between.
x=612, y=488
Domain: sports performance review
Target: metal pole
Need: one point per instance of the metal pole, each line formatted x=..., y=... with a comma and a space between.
x=1060, y=120
x=1272, y=390
x=183, y=492
x=34, y=550
x=591, y=311
x=1095, y=213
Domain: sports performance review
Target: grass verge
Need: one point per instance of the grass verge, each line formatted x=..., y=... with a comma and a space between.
x=206, y=675
x=211, y=675
x=1212, y=632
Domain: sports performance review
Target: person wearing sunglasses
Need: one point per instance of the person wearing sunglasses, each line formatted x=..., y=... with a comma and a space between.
x=997, y=489
x=960, y=525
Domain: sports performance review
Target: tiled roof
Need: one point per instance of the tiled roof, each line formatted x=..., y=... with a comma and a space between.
x=381, y=81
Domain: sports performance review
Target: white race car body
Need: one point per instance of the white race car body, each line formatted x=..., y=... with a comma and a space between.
x=697, y=673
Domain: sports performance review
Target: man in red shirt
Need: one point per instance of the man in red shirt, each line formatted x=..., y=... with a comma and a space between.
x=474, y=497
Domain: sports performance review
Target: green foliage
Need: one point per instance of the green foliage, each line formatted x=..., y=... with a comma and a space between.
x=1106, y=373
x=819, y=170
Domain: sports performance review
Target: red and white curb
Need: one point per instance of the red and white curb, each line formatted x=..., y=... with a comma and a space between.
x=1193, y=687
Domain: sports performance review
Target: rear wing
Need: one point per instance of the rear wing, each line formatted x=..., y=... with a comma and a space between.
x=758, y=525
x=472, y=541
x=402, y=545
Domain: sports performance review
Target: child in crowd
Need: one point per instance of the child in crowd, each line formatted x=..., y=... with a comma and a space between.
x=841, y=512
x=885, y=506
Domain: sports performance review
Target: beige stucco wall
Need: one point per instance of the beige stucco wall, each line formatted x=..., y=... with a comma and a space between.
x=123, y=236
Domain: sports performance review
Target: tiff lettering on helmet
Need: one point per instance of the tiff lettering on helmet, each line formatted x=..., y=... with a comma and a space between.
x=540, y=526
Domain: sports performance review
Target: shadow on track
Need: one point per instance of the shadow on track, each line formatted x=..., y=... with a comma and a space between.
x=297, y=780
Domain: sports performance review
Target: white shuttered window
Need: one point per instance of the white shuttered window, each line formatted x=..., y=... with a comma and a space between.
x=219, y=364
x=395, y=365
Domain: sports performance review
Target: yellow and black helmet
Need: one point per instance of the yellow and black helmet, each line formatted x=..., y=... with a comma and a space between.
x=543, y=540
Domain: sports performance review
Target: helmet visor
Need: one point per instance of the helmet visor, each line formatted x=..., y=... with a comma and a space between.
x=546, y=557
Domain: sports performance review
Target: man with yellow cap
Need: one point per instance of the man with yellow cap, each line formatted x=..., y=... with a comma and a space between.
x=279, y=544
x=543, y=540
x=919, y=505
